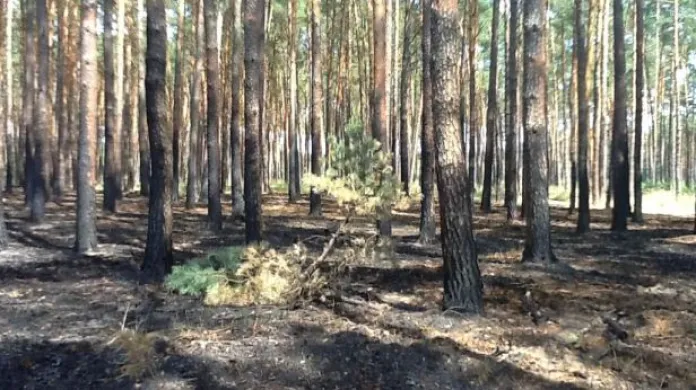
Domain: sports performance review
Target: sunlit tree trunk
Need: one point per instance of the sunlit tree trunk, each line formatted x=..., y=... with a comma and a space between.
x=236, y=134
x=316, y=120
x=463, y=288
x=538, y=238
x=427, y=178
x=511, y=69
x=194, y=169
x=178, y=120
x=112, y=119
x=638, y=149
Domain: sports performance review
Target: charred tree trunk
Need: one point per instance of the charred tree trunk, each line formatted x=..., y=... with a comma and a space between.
x=511, y=71
x=491, y=113
x=158, y=250
x=619, y=142
x=427, y=213
x=463, y=288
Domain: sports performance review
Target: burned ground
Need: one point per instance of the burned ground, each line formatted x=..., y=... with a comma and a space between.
x=60, y=315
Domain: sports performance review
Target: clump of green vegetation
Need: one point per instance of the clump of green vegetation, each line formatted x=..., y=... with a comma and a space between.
x=199, y=275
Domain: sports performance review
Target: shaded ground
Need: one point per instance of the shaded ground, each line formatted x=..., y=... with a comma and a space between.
x=60, y=315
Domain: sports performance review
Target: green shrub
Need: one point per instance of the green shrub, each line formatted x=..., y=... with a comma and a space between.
x=198, y=275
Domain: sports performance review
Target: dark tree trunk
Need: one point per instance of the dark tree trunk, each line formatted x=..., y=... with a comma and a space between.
x=112, y=118
x=620, y=170
x=254, y=42
x=474, y=128
x=640, y=80
x=491, y=113
x=538, y=239
x=42, y=120
x=380, y=112
x=61, y=113
x=178, y=114
x=236, y=154
x=404, y=108
x=86, y=232
x=293, y=166
x=194, y=158
x=427, y=214
x=213, y=80
x=158, y=250
x=511, y=70
x=583, y=223
x=316, y=120
x=463, y=288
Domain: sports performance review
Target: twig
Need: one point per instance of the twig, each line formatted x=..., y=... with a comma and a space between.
x=125, y=316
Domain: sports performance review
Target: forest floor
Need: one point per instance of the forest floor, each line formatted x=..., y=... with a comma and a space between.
x=60, y=314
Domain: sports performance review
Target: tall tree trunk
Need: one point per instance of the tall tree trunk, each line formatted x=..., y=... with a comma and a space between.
x=86, y=229
x=10, y=124
x=380, y=113
x=293, y=163
x=143, y=133
x=427, y=177
x=236, y=136
x=158, y=250
x=491, y=112
x=638, y=149
x=583, y=223
x=675, y=133
x=573, y=131
x=657, y=102
x=404, y=106
x=194, y=169
x=474, y=127
x=254, y=42
x=112, y=119
x=178, y=115
x=213, y=80
x=316, y=108
x=463, y=288
x=511, y=69
x=620, y=172
x=538, y=239
x=42, y=120
x=60, y=111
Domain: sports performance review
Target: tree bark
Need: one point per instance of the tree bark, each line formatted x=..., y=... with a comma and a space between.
x=158, y=250
x=42, y=120
x=638, y=149
x=178, y=115
x=427, y=179
x=316, y=120
x=463, y=288
x=86, y=227
x=254, y=42
x=473, y=107
x=236, y=136
x=213, y=80
x=380, y=112
x=144, y=146
x=620, y=172
x=583, y=222
x=491, y=113
x=511, y=70
x=293, y=163
x=404, y=106
x=675, y=133
x=194, y=169
x=538, y=238
x=112, y=119
x=10, y=124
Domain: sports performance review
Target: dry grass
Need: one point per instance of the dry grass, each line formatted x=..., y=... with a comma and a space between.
x=140, y=354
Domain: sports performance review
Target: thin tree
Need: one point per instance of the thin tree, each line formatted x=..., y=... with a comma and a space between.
x=640, y=80
x=293, y=163
x=158, y=249
x=583, y=223
x=538, y=238
x=427, y=177
x=213, y=80
x=675, y=134
x=8, y=102
x=86, y=227
x=380, y=113
x=143, y=143
x=511, y=70
x=254, y=42
x=178, y=115
x=619, y=142
x=192, y=190
x=41, y=127
x=28, y=98
x=236, y=155
x=316, y=120
x=491, y=113
x=474, y=128
x=463, y=288
x=112, y=122
x=57, y=177
x=404, y=106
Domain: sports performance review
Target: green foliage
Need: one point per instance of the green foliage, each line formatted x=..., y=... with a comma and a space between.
x=199, y=275
x=360, y=176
